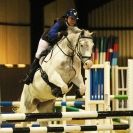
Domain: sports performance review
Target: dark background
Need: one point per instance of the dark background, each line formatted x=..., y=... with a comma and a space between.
x=36, y=17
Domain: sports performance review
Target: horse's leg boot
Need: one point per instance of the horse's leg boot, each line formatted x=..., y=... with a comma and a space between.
x=29, y=76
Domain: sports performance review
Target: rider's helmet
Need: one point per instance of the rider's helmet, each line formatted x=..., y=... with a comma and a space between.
x=73, y=13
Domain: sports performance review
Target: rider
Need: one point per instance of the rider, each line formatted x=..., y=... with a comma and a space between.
x=54, y=34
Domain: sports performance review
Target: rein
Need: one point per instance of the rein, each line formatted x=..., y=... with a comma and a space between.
x=77, y=48
x=73, y=49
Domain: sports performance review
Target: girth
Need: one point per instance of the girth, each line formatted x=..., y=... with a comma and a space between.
x=56, y=91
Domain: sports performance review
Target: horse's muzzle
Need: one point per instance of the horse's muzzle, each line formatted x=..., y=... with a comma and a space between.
x=87, y=64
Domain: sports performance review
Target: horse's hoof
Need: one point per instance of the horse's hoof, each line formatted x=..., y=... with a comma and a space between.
x=57, y=92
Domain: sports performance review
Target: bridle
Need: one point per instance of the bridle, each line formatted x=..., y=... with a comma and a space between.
x=79, y=50
x=76, y=50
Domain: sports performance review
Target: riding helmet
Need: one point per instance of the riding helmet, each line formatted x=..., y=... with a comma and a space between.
x=72, y=12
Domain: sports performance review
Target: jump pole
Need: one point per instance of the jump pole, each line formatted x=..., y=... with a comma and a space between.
x=64, y=129
x=68, y=103
x=57, y=103
x=86, y=114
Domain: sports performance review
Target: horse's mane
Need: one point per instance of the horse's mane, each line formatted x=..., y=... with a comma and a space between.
x=74, y=33
x=76, y=30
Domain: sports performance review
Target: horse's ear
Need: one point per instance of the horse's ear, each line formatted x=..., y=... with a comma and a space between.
x=91, y=33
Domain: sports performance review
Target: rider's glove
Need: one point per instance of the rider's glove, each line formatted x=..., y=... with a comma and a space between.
x=63, y=33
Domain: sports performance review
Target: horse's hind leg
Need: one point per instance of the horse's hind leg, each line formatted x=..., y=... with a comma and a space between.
x=26, y=103
x=45, y=107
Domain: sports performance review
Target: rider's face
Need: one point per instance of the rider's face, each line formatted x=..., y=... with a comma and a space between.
x=71, y=21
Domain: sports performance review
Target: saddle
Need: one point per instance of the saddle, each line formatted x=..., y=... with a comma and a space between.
x=44, y=53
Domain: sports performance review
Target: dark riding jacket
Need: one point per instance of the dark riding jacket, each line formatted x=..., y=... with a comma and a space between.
x=52, y=35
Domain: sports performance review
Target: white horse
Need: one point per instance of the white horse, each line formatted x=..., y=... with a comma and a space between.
x=61, y=66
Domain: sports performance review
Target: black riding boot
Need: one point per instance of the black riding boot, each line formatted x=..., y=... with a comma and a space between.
x=29, y=76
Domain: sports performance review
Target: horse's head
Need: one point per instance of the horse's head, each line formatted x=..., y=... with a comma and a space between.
x=79, y=42
x=84, y=48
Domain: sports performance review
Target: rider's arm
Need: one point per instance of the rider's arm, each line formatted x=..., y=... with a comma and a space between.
x=56, y=29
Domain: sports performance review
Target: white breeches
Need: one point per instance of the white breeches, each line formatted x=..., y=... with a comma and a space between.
x=43, y=45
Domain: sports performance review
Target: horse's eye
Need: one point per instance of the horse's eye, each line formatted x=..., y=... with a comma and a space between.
x=81, y=45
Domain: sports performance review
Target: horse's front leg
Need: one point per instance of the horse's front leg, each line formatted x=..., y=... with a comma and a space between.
x=56, y=79
x=78, y=81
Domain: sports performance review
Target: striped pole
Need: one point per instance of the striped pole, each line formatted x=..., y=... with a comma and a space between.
x=85, y=114
x=69, y=103
x=57, y=103
x=64, y=129
x=9, y=103
x=12, y=125
x=71, y=98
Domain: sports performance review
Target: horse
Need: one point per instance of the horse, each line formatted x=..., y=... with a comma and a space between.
x=60, y=67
